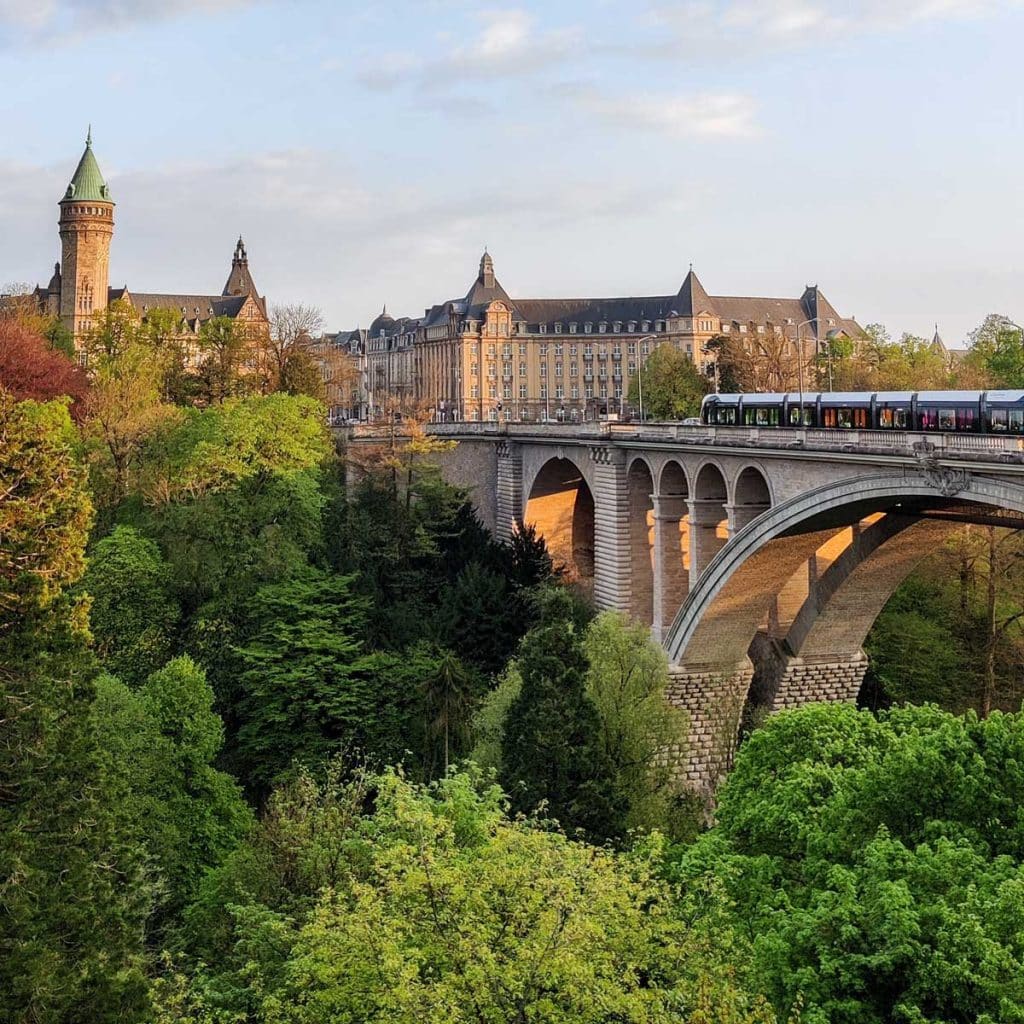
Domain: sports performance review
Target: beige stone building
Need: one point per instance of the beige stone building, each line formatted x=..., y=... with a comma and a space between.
x=487, y=356
x=79, y=289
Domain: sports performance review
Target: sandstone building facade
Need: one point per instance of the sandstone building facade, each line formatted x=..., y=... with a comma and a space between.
x=79, y=290
x=487, y=356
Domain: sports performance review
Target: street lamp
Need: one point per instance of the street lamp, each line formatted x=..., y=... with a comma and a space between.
x=640, y=370
x=800, y=363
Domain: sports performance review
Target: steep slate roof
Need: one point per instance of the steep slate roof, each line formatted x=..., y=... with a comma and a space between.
x=202, y=306
x=485, y=289
x=692, y=299
x=87, y=181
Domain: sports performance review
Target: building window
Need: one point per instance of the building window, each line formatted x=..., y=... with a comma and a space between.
x=523, y=392
x=507, y=391
x=559, y=391
x=575, y=391
x=558, y=328
x=522, y=369
x=645, y=348
x=543, y=369
x=506, y=351
x=604, y=390
x=589, y=391
x=587, y=328
x=474, y=369
x=543, y=391
x=542, y=328
x=543, y=350
x=522, y=348
x=559, y=369
x=474, y=391
x=492, y=390
x=558, y=349
x=573, y=349
x=574, y=369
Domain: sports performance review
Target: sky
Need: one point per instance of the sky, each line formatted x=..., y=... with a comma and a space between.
x=369, y=152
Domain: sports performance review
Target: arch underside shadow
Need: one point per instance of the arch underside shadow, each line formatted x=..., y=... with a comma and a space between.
x=560, y=507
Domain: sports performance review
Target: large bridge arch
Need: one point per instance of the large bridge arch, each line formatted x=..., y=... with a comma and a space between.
x=738, y=585
x=560, y=505
x=710, y=638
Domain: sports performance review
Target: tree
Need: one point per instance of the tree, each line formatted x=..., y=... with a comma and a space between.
x=865, y=900
x=757, y=362
x=551, y=754
x=45, y=512
x=162, y=741
x=222, y=346
x=73, y=901
x=124, y=409
x=448, y=693
x=641, y=735
x=996, y=348
x=673, y=387
x=133, y=614
x=433, y=906
x=303, y=683
x=30, y=368
x=287, y=359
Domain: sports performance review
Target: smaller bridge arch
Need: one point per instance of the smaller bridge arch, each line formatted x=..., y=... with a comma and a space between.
x=560, y=506
x=640, y=485
x=709, y=517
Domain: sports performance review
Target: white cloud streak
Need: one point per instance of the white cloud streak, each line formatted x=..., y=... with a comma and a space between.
x=721, y=115
x=805, y=21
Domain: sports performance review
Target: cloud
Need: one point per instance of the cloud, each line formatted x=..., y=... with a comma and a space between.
x=35, y=20
x=805, y=21
x=722, y=115
x=508, y=44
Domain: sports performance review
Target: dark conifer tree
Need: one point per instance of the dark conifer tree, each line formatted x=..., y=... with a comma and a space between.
x=550, y=753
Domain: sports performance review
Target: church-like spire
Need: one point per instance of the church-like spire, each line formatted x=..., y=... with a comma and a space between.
x=486, y=270
x=87, y=182
x=239, y=280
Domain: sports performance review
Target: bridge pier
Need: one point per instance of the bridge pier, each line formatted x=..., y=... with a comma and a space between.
x=714, y=698
x=740, y=515
x=509, y=477
x=705, y=516
x=671, y=578
x=612, y=534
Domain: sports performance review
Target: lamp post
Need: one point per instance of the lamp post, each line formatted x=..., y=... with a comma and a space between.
x=640, y=369
x=800, y=363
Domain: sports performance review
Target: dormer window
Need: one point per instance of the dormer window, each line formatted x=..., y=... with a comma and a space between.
x=558, y=328
x=632, y=325
x=543, y=328
x=602, y=327
x=572, y=328
x=587, y=328
x=646, y=325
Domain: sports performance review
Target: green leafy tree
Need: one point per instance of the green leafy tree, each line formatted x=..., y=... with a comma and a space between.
x=673, y=387
x=551, y=754
x=222, y=346
x=162, y=741
x=642, y=736
x=133, y=614
x=488, y=726
x=996, y=348
x=45, y=512
x=303, y=687
x=71, y=892
x=434, y=906
x=866, y=901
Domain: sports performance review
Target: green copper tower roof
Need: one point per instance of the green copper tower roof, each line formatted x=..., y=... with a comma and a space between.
x=87, y=182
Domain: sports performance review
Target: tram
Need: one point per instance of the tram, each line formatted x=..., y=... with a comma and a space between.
x=974, y=412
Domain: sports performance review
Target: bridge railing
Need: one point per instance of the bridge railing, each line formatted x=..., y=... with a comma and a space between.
x=706, y=434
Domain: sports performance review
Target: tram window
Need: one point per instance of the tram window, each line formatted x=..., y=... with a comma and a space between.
x=761, y=416
x=893, y=419
x=928, y=419
x=725, y=415
x=794, y=416
x=845, y=418
x=947, y=419
x=1001, y=421
x=965, y=419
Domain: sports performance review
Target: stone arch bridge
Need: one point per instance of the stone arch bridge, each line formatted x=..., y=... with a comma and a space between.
x=760, y=559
